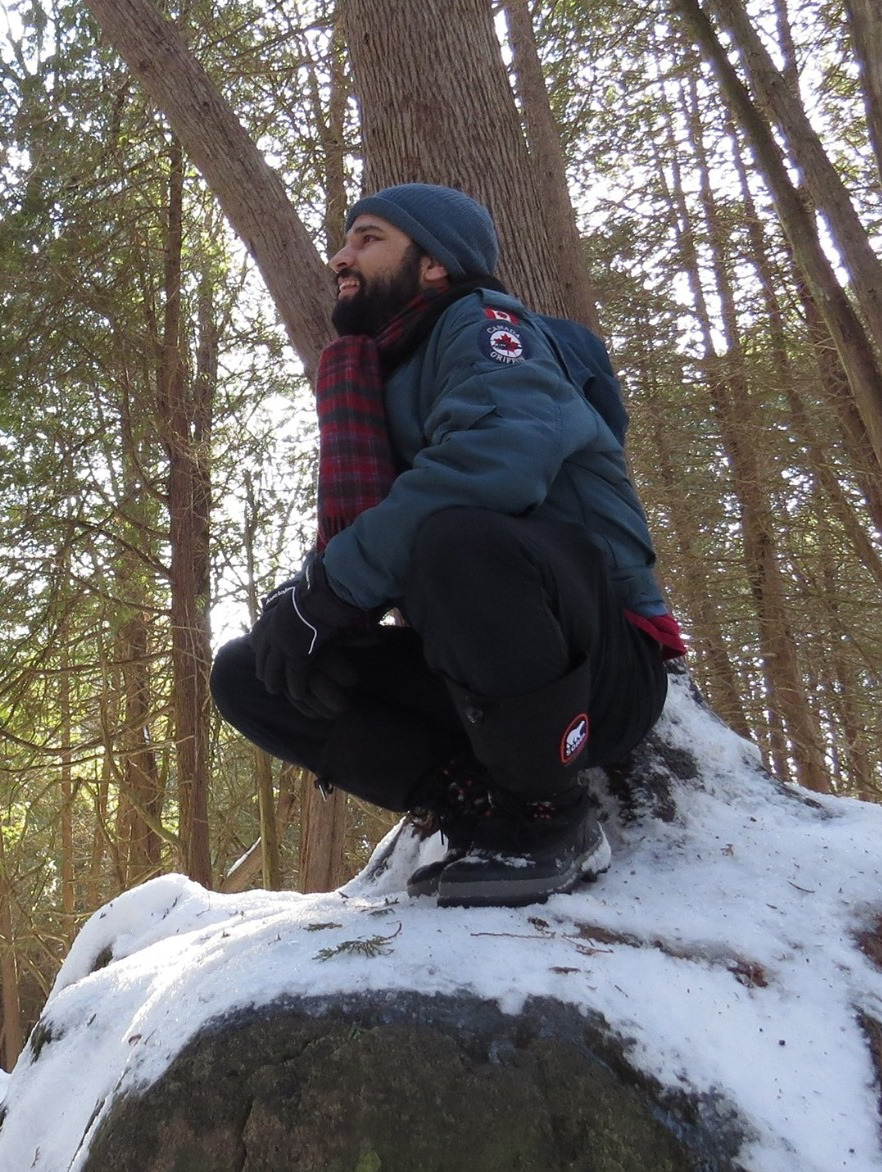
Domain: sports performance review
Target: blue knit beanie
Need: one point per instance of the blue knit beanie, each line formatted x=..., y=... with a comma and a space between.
x=446, y=223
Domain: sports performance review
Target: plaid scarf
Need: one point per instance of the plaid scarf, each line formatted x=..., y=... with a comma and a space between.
x=356, y=462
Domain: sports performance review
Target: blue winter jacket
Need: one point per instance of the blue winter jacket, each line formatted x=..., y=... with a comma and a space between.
x=484, y=414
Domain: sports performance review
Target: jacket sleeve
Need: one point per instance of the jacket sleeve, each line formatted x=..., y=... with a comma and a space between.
x=496, y=435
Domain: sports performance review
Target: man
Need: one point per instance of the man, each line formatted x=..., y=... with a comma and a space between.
x=465, y=481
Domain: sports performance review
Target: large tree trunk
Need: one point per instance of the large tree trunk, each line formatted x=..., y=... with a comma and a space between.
x=322, y=837
x=420, y=122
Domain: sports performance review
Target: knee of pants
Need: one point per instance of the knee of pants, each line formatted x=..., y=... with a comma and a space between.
x=233, y=665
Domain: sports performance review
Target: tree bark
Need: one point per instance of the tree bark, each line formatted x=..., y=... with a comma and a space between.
x=249, y=191
x=11, y=1003
x=849, y=337
x=322, y=837
x=140, y=796
x=733, y=408
x=446, y=114
x=822, y=182
x=183, y=413
x=332, y=128
x=865, y=25
x=543, y=138
x=802, y=425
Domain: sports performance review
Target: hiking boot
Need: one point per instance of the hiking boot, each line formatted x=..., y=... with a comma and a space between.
x=525, y=851
x=461, y=799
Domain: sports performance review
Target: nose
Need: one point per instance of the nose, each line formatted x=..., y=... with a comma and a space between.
x=342, y=259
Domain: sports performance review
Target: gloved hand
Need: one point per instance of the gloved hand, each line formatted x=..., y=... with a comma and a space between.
x=293, y=641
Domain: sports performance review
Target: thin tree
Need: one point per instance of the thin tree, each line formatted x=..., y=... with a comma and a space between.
x=853, y=345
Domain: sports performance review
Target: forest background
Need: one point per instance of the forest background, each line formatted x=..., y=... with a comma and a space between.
x=157, y=429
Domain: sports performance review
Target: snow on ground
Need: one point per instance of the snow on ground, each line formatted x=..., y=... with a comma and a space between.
x=722, y=943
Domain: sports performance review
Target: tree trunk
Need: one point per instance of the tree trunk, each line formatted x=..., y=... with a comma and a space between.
x=848, y=691
x=68, y=869
x=822, y=183
x=141, y=789
x=268, y=842
x=802, y=425
x=12, y=1027
x=140, y=797
x=249, y=191
x=419, y=123
x=722, y=682
x=332, y=128
x=322, y=837
x=852, y=344
x=99, y=834
x=732, y=403
x=184, y=419
x=837, y=389
x=865, y=26
x=743, y=427
x=269, y=827
x=546, y=153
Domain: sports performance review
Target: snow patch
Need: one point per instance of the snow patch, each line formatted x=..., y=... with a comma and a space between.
x=723, y=943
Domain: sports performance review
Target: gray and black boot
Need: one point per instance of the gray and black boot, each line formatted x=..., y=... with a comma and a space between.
x=457, y=798
x=523, y=851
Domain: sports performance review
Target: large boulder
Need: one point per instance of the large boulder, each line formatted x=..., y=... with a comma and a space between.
x=406, y=1082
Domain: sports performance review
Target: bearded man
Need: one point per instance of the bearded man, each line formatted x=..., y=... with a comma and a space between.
x=466, y=482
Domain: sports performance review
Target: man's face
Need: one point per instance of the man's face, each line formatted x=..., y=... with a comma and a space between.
x=378, y=271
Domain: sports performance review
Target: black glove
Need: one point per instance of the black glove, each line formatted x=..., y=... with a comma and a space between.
x=293, y=639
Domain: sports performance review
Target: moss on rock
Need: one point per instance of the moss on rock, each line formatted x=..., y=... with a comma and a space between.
x=409, y=1083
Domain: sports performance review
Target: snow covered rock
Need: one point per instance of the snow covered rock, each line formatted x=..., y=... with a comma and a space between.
x=406, y=1081
x=723, y=979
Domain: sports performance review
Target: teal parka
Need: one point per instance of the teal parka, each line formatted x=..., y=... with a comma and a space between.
x=484, y=414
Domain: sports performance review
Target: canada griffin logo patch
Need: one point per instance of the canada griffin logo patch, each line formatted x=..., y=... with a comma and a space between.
x=574, y=739
x=503, y=343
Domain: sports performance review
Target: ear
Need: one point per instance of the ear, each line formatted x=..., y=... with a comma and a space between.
x=432, y=273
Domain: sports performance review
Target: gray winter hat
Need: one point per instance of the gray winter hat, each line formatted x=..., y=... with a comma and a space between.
x=448, y=224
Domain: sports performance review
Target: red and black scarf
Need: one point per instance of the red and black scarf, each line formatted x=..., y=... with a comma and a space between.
x=356, y=462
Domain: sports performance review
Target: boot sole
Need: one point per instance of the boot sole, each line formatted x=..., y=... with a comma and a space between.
x=509, y=891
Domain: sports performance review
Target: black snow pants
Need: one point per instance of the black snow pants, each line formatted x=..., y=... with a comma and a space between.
x=516, y=653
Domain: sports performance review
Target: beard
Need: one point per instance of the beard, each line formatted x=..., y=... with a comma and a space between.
x=377, y=301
